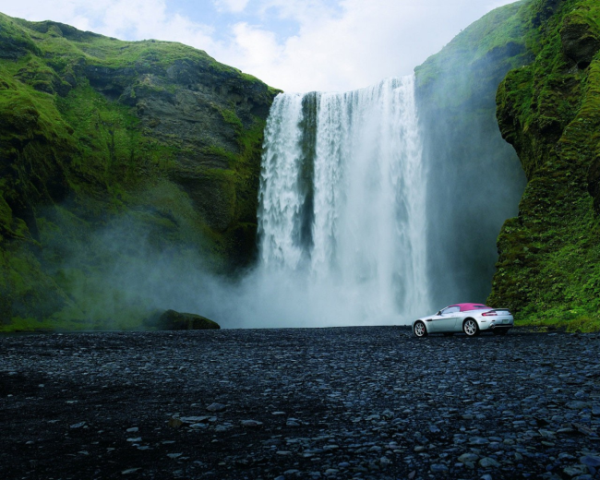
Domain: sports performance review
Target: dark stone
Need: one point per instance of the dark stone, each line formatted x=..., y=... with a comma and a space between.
x=545, y=10
x=593, y=181
x=579, y=43
x=172, y=320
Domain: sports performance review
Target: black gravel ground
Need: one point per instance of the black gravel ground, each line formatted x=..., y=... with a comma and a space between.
x=369, y=403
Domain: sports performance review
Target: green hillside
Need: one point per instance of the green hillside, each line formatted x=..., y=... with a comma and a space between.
x=112, y=152
x=549, y=110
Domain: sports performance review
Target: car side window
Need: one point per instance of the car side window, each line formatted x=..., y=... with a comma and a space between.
x=448, y=310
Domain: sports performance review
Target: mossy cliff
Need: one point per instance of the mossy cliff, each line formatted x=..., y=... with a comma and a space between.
x=112, y=151
x=549, y=110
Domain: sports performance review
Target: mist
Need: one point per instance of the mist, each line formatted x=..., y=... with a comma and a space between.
x=119, y=275
x=376, y=206
x=476, y=180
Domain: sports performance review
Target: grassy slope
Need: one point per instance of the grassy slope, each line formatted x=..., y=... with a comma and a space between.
x=74, y=159
x=549, y=265
x=470, y=63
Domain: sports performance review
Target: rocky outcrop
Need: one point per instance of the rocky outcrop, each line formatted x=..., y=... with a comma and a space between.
x=549, y=110
x=579, y=43
x=154, y=145
x=172, y=320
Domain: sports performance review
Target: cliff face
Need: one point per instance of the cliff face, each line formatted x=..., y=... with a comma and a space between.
x=549, y=110
x=475, y=179
x=111, y=151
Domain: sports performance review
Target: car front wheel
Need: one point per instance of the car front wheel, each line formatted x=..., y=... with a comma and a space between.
x=470, y=327
x=420, y=330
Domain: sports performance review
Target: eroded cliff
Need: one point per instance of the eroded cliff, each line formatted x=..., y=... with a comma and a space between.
x=549, y=110
x=112, y=152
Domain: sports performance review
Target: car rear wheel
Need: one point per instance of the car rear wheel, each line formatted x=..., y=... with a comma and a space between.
x=470, y=327
x=420, y=329
x=500, y=331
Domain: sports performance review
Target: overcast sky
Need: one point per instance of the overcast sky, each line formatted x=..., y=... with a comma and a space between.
x=295, y=45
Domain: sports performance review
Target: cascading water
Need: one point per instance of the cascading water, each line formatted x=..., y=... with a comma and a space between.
x=342, y=219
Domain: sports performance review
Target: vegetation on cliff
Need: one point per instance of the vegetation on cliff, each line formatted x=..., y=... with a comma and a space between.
x=113, y=151
x=475, y=179
x=549, y=110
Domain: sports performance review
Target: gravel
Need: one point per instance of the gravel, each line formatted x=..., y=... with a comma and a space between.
x=338, y=403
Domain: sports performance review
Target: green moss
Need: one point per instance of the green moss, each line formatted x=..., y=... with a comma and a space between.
x=489, y=47
x=79, y=158
x=549, y=256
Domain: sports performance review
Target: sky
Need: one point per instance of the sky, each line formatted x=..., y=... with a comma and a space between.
x=294, y=45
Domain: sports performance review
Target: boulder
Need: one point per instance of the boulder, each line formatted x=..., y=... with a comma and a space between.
x=172, y=320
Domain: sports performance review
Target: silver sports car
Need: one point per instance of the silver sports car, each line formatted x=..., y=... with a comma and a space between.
x=470, y=318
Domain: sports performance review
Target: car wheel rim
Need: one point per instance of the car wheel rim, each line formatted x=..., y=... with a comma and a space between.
x=470, y=328
x=419, y=329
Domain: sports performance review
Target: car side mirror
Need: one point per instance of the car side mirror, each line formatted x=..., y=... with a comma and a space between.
x=439, y=313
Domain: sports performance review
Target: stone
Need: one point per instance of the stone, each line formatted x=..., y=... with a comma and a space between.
x=130, y=471
x=573, y=471
x=590, y=461
x=172, y=320
x=438, y=467
x=468, y=458
x=487, y=462
x=251, y=423
x=577, y=405
x=195, y=419
x=216, y=407
x=175, y=422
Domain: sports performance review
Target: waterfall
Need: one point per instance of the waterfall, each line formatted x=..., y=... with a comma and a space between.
x=342, y=221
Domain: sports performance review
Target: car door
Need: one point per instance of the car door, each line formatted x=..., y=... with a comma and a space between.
x=445, y=320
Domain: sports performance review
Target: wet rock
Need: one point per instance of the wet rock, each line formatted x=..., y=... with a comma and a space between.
x=130, y=471
x=487, y=462
x=175, y=422
x=216, y=407
x=438, y=467
x=172, y=320
x=577, y=405
x=307, y=373
x=251, y=423
x=468, y=458
x=579, y=42
x=590, y=461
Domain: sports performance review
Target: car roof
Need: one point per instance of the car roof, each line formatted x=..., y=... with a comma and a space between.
x=465, y=307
